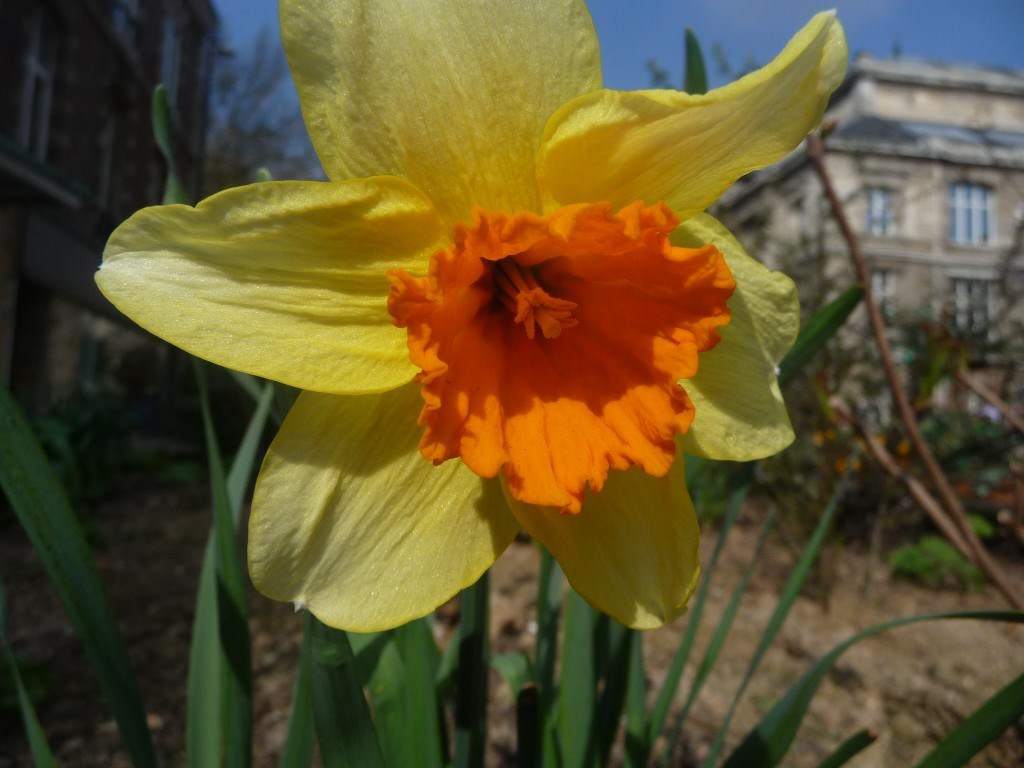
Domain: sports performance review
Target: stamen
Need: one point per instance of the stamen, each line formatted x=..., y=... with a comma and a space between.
x=521, y=294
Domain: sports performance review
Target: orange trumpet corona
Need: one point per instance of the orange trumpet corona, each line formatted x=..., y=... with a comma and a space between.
x=551, y=347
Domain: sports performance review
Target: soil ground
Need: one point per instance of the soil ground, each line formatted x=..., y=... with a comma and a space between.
x=911, y=685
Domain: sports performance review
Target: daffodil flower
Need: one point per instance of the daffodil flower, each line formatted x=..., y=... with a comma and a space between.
x=506, y=308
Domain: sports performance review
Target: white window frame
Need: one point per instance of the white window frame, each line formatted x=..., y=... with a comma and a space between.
x=879, y=218
x=971, y=213
x=37, y=86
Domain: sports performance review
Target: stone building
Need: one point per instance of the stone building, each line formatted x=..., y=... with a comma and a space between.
x=929, y=160
x=77, y=157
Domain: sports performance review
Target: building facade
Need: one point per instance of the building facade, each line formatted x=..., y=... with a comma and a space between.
x=929, y=161
x=77, y=157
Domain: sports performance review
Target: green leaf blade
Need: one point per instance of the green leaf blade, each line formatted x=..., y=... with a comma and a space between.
x=163, y=135
x=471, y=685
x=769, y=741
x=718, y=638
x=983, y=726
x=344, y=728
x=230, y=592
x=615, y=691
x=39, y=748
x=849, y=749
x=549, y=615
x=577, y=692
x=696, y=78
x=816, y=333
x=515, y=669
x=636, y=747
x=206, y=673
x=44, y=513
x=787, y=597
x=667, y=693
x=422, y=660
x=209, y=668
x=528, y=719
x=301, y=736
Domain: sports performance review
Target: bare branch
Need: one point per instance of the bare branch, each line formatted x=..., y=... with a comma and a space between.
x=992, y=399
x=978, y=555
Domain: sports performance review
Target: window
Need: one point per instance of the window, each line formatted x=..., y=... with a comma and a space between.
x=37, y=87
x=882, y=291
x=124, y=15
x=975, y=308
x=170, y=56
x=879, y=208
x=970, y=213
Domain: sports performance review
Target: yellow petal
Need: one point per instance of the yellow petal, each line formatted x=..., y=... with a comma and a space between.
x=740, y=414
x=284, y=280
x=687, y=149
x=451, y=95
x=350, y=521
x=632, y=550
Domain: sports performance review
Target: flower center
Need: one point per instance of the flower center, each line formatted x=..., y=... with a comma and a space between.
x=555, y=411
x=521, y=294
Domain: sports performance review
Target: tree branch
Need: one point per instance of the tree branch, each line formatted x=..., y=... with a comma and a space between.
x=976, y=551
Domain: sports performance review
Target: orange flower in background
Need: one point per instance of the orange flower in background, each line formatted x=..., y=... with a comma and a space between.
x=507, y=309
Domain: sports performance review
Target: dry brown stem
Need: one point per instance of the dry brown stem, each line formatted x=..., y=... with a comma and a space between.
x=876, y=448
x=956, y=519
x=986, y=394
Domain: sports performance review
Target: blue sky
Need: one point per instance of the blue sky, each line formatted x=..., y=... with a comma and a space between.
x=633, y=31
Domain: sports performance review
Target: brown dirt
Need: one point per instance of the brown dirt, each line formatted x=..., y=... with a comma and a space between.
x=911, y=685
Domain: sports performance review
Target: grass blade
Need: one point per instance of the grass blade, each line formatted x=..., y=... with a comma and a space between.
x=515, y=669
x=814, y=335
x=283, y=398
x=207, y=672
x=344, y=727
x=298, y=744
x=549, y=614
x=718, y=639
x=208, y=667
x=615, y=691
x=384, y=686
x=247, y=455
x=849, y=749
x=232, y=621
x=39, y=748
x=576, y=691
x=659, y=714
x=471, y=686
x=636, y=747
x=421, y=659
x=790, y=590
x=983, y=726
x=528, y=726
x=163, y=134
x=770, y=739
x=601, y=643
x=249, y=383
x=43, y=511
x=696, y=77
